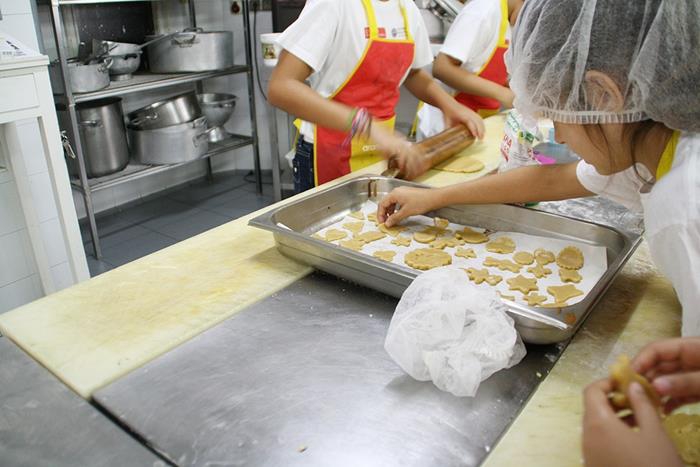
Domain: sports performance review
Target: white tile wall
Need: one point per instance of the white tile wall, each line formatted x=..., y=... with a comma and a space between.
x=11, y=218
x=42, y=193
x=16, y=264
x=20, y=292
x=62, y=276
x=53, y=241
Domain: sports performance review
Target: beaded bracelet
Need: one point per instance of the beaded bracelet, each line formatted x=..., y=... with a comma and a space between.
x=361, y=125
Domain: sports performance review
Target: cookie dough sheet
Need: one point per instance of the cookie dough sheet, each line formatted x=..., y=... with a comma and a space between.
x=595, y=258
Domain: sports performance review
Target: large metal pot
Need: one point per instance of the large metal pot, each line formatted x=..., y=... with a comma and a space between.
x=191, y=50
x=217, y=108
x=83, y=78
x=170, y=145
x=172, y=111
x=126, y=57
x=102, y=136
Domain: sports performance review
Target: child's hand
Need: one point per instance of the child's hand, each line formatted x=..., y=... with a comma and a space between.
x=456, y=113
x=608, y=441
x=404, y=202
x=673, y=367
x=409, y=160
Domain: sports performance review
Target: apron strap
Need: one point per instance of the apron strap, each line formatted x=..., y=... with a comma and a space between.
x=666, y=161
x=372, y=20
x=503, y=29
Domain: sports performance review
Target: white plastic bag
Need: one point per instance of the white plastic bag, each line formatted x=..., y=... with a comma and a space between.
x=520, y=135
x=450, y=332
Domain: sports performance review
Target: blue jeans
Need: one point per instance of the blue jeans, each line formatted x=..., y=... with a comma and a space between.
x=303, y=166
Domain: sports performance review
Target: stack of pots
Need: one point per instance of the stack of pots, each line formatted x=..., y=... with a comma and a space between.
x=171, y=131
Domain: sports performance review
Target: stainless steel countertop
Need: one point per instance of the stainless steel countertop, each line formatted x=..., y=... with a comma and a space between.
x=301, y=378
x=43, y=423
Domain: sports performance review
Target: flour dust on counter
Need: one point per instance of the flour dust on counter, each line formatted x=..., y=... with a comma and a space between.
x=145, y=227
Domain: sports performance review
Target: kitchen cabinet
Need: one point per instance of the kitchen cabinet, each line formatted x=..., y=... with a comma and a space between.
x=141, y=82
x=27, y=95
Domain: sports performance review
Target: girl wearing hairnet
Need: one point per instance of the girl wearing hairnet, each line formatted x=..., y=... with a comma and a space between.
x=620, y=81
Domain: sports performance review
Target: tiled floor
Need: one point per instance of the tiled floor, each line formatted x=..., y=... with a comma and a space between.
x=144, y=228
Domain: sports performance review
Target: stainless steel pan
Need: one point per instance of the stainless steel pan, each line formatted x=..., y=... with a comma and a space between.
x=175, y=110
x=173, y=144
x=190, y=51
x=293, y=224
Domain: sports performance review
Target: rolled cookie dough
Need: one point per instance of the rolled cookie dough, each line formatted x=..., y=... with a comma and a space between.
x=472, y=236
x=684, y=431
x=543, y=256
x=335, y=234
x=562, y=293
x=386, y=255
x=523, y=284
x=465, y=253
x=371, y=236
x=354, y=227
x=501, y=245
x=427, y=258
x=570, y=258
x=401, y=240
x=393, y=231
x=539, y=271
x=353, y=244
x=570, y=275
x=523, y=257
x=461, y=165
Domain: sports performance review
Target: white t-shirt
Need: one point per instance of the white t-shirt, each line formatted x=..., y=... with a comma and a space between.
x=671, y=219
x=329, y=36
x=471, y=40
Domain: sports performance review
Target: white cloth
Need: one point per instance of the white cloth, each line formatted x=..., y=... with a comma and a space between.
x=471, y=40
x=671, y=219
x=329, y=36
x=447, y=331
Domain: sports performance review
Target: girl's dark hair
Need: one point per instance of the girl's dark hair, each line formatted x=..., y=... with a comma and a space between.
x=635, y=133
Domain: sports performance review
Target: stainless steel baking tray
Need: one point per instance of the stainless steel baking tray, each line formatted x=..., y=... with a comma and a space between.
x=293, y=224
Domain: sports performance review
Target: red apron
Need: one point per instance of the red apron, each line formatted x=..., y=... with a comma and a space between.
x=374, y=85
x=493, y=70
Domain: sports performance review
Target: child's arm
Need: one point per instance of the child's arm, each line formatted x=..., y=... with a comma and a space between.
x=448, y=70
x=288, y=91
x=527, y=184
x=425, y=88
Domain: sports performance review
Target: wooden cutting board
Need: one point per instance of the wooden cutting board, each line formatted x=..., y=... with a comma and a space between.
x=640, y=307
x=90, y=334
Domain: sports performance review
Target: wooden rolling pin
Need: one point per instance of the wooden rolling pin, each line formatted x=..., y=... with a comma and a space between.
x=439, y=148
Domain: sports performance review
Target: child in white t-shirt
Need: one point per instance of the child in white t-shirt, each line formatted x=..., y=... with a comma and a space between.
x=355, y=55
x=471, y=61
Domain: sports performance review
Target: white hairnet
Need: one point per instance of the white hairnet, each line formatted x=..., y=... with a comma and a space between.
x=649, y=48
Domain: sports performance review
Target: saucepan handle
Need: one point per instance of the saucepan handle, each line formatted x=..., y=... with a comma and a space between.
x=146, y=118
x=202, y=136
x=92, y=123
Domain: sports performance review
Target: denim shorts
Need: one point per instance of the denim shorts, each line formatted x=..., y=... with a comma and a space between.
x=303, y=166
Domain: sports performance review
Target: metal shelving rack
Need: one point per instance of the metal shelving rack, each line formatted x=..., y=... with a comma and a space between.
x=143, y=82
